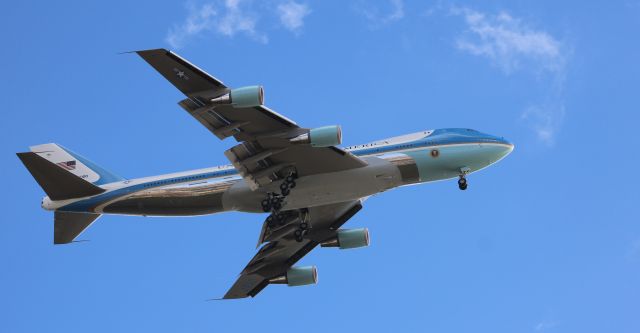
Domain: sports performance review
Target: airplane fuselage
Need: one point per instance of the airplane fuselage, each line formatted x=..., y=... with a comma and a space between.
x=410, y=159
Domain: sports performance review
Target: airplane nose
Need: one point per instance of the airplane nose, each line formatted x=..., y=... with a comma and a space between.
x=507, y=148
x=497, y=151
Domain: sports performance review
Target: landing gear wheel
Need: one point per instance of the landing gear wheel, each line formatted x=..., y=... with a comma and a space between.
x=304, y=225
x=271, y=221
x=284, y=187
x=286, y=191
x=265, y=205
x=462, y=183
x=300, y=235
x=292, y=184
x=276, y=203
x=290, y=179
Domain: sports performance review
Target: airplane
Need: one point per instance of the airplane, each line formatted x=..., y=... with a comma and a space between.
x=308, y=185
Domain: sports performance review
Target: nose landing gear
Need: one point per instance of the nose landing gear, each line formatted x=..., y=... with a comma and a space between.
x=462, y=181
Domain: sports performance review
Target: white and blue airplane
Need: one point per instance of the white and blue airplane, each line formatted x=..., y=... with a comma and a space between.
x=309, y=186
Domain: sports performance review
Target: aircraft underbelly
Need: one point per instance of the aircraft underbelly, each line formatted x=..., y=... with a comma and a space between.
x=321, y=189
x=176, y=201
x=379, y=175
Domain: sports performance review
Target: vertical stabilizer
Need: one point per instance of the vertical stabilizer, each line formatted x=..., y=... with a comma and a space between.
x=56, y=181
x=75, y=164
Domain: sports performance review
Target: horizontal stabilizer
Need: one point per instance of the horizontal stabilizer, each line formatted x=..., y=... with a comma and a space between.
x=68, y=225
x=56, y=181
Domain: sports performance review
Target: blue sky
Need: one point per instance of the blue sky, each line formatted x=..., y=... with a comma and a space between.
x=547, y=240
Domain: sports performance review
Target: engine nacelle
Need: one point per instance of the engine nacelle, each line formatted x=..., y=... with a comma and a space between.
x=298, y=276
x=244, y=97
x=325, y=136
x=301, y=276
x=349, y=239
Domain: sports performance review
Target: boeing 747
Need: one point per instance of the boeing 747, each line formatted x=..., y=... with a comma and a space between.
x=308, y=186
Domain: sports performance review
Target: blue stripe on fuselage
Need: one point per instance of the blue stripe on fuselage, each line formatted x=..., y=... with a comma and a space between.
x=90, y=203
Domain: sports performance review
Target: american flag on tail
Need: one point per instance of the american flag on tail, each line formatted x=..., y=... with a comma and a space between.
x=69, y=165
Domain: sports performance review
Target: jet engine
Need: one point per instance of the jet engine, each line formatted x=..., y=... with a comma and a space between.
x=244, y=97
x=298, y=276
x=326, y=136
x=349, y=239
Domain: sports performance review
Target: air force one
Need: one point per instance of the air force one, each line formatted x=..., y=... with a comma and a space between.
x=309, y=186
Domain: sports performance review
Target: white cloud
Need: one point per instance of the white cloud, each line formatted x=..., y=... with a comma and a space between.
x=508, y=42
x=511, y=45
x=292, y=15
x=235, y=17
x=378, y=18
x=198, y=20
x=237, y=20
x=227, y=19
x=544, y=120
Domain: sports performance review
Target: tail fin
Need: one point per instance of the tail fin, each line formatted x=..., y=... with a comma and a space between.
x=55, y=181
x=63, y=174
x=75, y=164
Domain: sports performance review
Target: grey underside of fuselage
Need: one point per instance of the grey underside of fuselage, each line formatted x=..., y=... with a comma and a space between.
x=235, y=195
x=180, y=201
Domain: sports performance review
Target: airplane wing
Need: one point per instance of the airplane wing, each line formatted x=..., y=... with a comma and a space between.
x=282, y=251
x=265, y=152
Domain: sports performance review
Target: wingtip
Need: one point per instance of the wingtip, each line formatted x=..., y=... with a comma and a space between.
x=214, y=299
x=221, y=299
x=144, y=51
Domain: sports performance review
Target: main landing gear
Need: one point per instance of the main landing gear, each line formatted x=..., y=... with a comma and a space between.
x=462, y=181
x=303, y=227
x=288, y=184
x=273, y=203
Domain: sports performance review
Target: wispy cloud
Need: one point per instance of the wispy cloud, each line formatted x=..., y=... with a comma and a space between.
x=508, y=42
x=545, y=120
x=545, y=325
x=226, y=19
x=199, y=19
x=377, y=17
x=292, y=15
x=238, y=19
x=230, y=18
x=512, y=45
